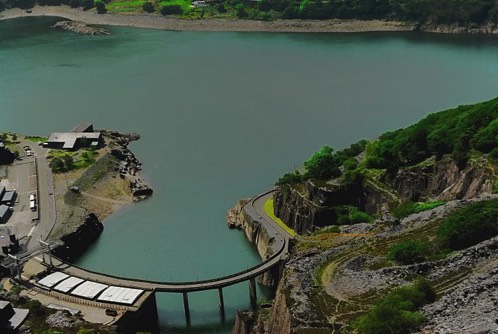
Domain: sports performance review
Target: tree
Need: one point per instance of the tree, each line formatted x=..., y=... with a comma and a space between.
x=171, y=10
x=100, y=7
x=408, y=252
x=322, y=165
x=87, y=4
x=57, y=165
x=240, y=11
x=148, y=7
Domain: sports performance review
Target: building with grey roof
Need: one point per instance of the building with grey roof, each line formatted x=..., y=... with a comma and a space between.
x=9, y=197
x=82, y=135
x=11, y=319
x=5, y=213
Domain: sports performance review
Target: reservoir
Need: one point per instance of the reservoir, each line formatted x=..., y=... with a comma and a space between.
x=222, y=116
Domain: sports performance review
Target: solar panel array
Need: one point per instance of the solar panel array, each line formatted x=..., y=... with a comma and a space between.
x=68, y=284
x=90, y=290
x=116, y=294
x=52, y=279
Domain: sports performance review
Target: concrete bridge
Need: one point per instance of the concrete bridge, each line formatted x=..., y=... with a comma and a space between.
x=279, y=244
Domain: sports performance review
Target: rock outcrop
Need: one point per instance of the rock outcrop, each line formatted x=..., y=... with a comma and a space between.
x=130, y=167
x=315, y=203
x=238, y=217
x=77, y=242
x=80, y=28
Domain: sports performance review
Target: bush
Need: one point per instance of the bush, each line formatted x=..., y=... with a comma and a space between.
x=396, y=313
x=100, y=9
x=221, y=8
x=408, y=252
x=148, y=7
x=171, y=10
x=469, y=226
x=351, y=215
x=290, y=178
x=87, y=4
x=240, y=11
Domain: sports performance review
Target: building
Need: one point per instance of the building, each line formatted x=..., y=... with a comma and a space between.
x=82, y=135
x=9, y=197
x=5, y=213
x=11, y=319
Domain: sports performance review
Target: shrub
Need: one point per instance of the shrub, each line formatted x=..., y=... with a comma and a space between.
x=240, y=11
x=171, y=10
x=470, y=225
x=408, y=252
x=290, y=178
x=100, y=9
x=87, y=4
x=148, y=7
x=221, y=8
x=396, y=313
x=351, y=215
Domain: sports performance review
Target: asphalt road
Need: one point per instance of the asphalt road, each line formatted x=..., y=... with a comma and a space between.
x=45, y=196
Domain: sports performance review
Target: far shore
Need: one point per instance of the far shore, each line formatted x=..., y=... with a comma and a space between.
x=156, y=21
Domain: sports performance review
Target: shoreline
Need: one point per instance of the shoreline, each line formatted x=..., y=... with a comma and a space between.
x=157, y=21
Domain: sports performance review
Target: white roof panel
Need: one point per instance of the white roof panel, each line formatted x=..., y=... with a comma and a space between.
x=88, y=289
x=52, y=279
x=116, y=294
x=68, y=284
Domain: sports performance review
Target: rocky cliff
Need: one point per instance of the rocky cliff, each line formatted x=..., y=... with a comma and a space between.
x=77, y=242
x=238, y=217
x=314, y=204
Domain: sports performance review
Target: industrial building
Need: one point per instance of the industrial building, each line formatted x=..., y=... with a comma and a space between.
x=82, y=135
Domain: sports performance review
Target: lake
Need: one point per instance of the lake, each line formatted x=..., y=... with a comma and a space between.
x=222, y=116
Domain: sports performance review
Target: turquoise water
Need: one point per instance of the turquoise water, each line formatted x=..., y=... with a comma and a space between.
x=222, y=115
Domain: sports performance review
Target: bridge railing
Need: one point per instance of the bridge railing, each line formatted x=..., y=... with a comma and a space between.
x=240, y=273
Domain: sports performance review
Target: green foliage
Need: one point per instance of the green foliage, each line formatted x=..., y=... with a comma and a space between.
x=221, y=8
x=171, y=10
x=409, y=252
x=87, y=4
x=36, y=139
x=290, y=178
x=348, y=215
x=455, y=131
x=407, y=208
x=470, y=225
x=62, y=164
x=240, y=11
x=100, y=5
x=325, y=164
x=148, y=7
x=396, y=313
x=322, y=165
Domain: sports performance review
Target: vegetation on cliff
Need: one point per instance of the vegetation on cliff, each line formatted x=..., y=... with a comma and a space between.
x=397, y=312
x=457, y=131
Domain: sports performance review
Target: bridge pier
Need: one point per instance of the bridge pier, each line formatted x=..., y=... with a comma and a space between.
x=222, y=304
x=252, y=292
x=186, y=308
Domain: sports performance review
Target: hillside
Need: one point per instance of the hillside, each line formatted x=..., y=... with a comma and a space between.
x=399, y=233
x=425, y=13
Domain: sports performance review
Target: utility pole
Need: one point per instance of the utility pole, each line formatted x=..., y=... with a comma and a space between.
x=43, y=243
x=18, y=265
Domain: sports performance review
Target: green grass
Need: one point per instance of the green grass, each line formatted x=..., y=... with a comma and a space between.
x=36, y=139
x=125, y=6
x=182, y=3
x=269, y=212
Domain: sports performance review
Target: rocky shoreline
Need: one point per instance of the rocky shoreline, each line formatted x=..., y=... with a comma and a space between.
x=157, y=21
x=129, y=167
x=80, y=28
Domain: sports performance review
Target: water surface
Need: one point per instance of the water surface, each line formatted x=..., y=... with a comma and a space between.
x=222, y=115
